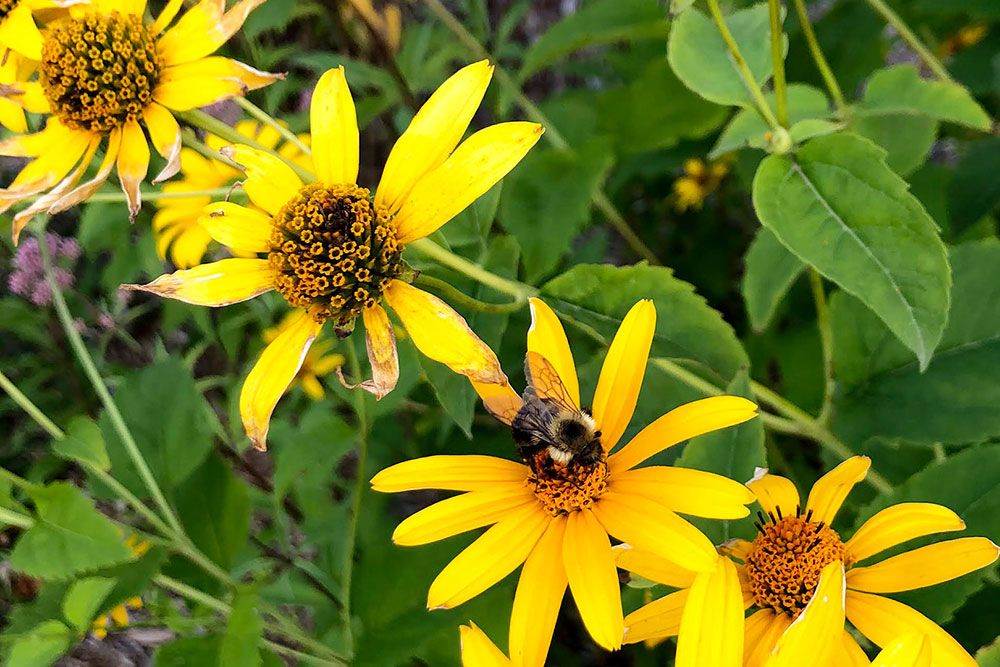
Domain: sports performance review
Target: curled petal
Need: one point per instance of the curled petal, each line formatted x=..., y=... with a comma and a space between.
x=133, y=163
x=815, y=636
x=830, y=490
x=219, y=283
x=776, y=494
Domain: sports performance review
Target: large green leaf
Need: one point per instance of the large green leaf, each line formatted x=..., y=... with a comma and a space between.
x=41, y=647
x=747, y=128
x=907, y=140
x=901, y=90
x=881, y=391
x=770, y=271
x=240, y=644
x=69, y=536
x=83, y=600
x=837, y=206
x=214, y=507
x=989, y=656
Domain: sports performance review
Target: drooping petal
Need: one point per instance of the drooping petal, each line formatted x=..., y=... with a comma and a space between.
x=380, y=341
x=50, y=198
x=334, y=126
x=207, y=81
x=433, y=133
x=89, y=187
x=19, y=32
x=449, y=473
x=657, y=620
x=680, y=424
x=925, y=566
x=500, y=400
x=593, y=578
x=494, y=555
x=763, y=629
x=203, y=29
x=540, y=591
x=901, y=523
x=912, y=650
x=622, y=373
x=165, y=134
x=830, y=490
x=547, y=337
x=814, y=637
x=462, y=513
x=219, y=283
x=274, y=371
x=651, y=566
x=133, y=163
x=238, y=227
x=478, y=650
x=648, y=525
x=442, y=334
x=711, y=631
x=269, y=182
x=776, y=494
x=475, y=167
x=883, y=621
x=687, y=491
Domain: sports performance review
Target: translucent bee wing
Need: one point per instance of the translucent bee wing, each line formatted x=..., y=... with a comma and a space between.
x=504, y=408
x=544, y=382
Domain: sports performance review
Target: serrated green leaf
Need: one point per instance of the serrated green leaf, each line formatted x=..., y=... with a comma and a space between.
x=41, y=647
x=907, y=140
x=84, y=599
x=770, y=271
x=837, y=206
x=69, y=536
x=83, y=442
x=747, y=128
x=240, y=644
x=901, y=90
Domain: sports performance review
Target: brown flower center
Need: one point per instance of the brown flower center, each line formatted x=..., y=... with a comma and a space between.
x=6, y=7
x=566, y=488
x=99, y=71
x=786, y=559
x=335, y=252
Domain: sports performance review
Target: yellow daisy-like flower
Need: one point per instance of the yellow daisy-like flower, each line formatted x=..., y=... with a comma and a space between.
x=556, y=515
x=176, y=224
x=334, y=252
x=19, y=31
x=318, y=362
x=803, y=578
x=697, y=183
x=105, y=79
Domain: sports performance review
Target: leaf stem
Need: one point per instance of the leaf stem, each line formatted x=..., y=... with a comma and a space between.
x=778, y=62
x=270, y=121
x=360, y=482
x=893, y=19
x=30, y=408
x=447, y=258
x=819, y=59
x=454, y=295
x=12, y=518
x=826, y=339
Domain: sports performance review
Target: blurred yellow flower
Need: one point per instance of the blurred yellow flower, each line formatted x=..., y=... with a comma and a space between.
x=334, y=252
x=387, y=23
x=118, y=615
x=317, y=363
x=698, y=182
x=968, y=36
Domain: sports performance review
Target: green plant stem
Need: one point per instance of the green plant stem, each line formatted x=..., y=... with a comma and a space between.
x=552, y=135
x=826, y=339
x=29, y=407
x=11, y=518
x=819, y=59
x=270, y=121
x=456, y=296
x=447, y=258
x=190, y=140
x=360, y=482
x=741, y=66
x=893, y=19
x=778, y=61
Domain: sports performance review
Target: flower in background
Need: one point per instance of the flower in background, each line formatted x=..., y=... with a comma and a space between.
x=968, y=36
x=318, y=362
x=334, y=253
x=107, y=78
x=555, y=515
x=176, y=225
x=27, y=279
x=478, y=650
x=387, y=24
x=117, y=616
x=804, y=579
x=698, y=182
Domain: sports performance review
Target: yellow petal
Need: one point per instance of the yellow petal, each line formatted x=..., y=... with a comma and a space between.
x=53, y=196
x=33, y=97
x=380, y=341
x=621, y=375
x=763, y=629
x=540, y=591
x=680, y=424
x=653, y=567
x=475, y=167
x=219, y=283
x=269, y=182
x=547, y=337
x=489, y=559
x=238, y=227
x=191, y=93
x=815, y=636
x=925, y=566
x=849, y=654
x=912, y=650
x=687, y=491
x=442, y=334
x=433, y=133
x=12, y=117
x=830, y=490
x=462, y=513
x=901, y=523
x=165, y=134
x=334, y=125
x=84, y=190
x=657, y=620
x=203, y=29
x=271, y=375
x=737, y=548
x=133, y=163
x=311, y=386
x=19, y=32
x=593, y=578
x=649, y=526
x=478, y=650
x=449, y=473
x=883, y=621
x=119, y=615
x=166, y=16
x=500, y=400
x=776, y=494
x=711, y=631
x=216, y=68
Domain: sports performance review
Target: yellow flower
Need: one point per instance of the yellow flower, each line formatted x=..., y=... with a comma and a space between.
x=334, y=253
x=556, y=518
x=117, y=616
x=387, y=24
x=176, y=225
x=106, y=78
x=968, y=36
x=316, y=364
x=804, y=579
x=478, y=650
x=697, y=183
x=18, y=30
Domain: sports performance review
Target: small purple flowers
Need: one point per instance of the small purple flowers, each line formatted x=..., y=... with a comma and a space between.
x=27, y=279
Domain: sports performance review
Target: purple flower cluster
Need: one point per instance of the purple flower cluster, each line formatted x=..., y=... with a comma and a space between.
x=28, y=277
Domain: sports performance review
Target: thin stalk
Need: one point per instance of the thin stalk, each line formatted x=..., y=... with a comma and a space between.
x=459, y=297
x=552, y=135
x=189, y=139
x=117, y=421
x=269, y=120
x=122, y=492
x=893, y=19
x=778, y=61
x=826, y=339
x=12, y=518
x=360, y=481
x=819, y=59
x=30, y=408
x=447, y=258
x=741, y=66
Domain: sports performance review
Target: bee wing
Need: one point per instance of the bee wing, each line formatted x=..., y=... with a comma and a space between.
x=504, y=407
x=534, y=419
x=544, y=382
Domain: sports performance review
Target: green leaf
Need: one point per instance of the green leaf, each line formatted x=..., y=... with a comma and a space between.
x=41, y=647
x=747, y=128
x=306, y=454
x=907, y=140
x=83, y=442
x=900, y=90
x=601, y=22
x=975, y=189
x=69, y=536
x=770, y=272
x=882, y=392
x=187, y=651
x=701, y=60
x=214, y=507
x=989, y=656
x=599, y=296
x=84, y=599
x=240, y=644
x=471, y=226
x=837, y=206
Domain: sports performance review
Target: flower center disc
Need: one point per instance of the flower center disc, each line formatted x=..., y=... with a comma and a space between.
x=335, y=252
x=786, y=559
x=99, y=71
x=566, y=488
